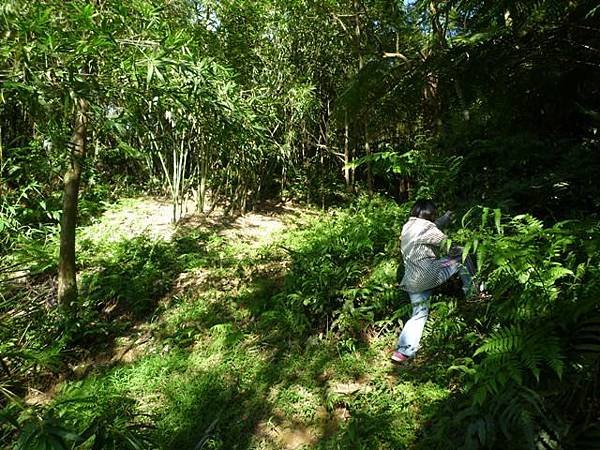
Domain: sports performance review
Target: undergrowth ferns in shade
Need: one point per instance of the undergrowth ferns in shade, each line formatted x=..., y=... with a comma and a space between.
x=537, y=337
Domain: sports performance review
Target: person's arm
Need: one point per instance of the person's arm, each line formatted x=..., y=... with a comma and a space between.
x=432, y=236
x=443, y=221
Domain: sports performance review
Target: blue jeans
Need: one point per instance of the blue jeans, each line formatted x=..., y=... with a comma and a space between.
x=409, y=340
x=464, y=271
x=408, y=343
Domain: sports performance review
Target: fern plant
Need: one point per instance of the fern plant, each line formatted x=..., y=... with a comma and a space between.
x=105, y=422
x=536, y=331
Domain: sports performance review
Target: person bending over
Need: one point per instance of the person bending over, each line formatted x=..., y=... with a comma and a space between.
x=424, y=270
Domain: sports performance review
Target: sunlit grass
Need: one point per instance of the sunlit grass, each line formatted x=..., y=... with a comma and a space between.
x=228, y=362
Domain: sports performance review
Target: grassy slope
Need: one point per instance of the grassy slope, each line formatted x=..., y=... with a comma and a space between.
x=205, y=351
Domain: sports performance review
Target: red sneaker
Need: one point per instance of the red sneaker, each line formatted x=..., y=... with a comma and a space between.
x=398, y=357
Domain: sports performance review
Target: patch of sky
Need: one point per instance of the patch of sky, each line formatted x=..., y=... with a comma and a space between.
x=204, y=14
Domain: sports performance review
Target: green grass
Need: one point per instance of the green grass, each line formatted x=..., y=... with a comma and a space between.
x=230, y=362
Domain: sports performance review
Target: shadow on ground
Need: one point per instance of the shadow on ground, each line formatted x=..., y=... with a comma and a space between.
x=218, y=359
x=259, y=375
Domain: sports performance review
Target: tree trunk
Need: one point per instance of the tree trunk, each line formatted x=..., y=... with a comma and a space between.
x=347, y=156
x=67, y=270
x=202, y=186
x=431, y=95
x=461, y=99
x=404, y=189
x=358, y=38
x=369, y=165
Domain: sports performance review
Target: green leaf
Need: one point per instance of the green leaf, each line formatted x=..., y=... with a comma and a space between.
x=497, y=218
x=63, y=433
x=150, y=72
x=466, y=250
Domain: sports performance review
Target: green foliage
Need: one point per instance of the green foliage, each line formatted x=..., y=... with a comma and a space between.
x=525, y=357
x=513, y=358
x=436, y=175
x=102, y=422
x=463, y=101
x=335, y=277
x=132, y=273
x=26, y=181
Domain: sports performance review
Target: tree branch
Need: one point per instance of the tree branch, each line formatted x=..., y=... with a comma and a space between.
x=396, y=55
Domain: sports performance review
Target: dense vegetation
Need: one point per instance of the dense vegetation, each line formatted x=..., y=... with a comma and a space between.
x=352, y=110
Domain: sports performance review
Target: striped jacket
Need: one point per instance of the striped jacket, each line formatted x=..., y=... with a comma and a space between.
x=423, y=270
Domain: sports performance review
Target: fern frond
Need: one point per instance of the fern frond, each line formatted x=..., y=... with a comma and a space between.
x=502, y=341
x=511, y=351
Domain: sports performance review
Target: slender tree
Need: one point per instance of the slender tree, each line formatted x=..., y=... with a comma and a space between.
x=67, y=269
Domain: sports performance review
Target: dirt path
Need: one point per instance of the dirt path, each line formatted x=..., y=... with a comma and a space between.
x=153, y=217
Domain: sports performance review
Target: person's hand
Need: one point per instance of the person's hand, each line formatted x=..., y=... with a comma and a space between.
x=443, y=221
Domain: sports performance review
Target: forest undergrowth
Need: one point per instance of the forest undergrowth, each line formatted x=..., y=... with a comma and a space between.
x=224, y=334
x=191, y=342
x=272, y=328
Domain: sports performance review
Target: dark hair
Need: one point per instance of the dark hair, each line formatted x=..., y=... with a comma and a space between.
x=424, y=209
